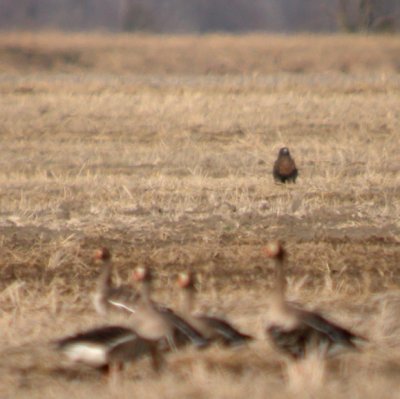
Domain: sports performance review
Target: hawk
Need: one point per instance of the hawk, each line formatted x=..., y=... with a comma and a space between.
x=284, y=167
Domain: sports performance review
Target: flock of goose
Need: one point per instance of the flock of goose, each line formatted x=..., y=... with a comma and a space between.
x=151, y=329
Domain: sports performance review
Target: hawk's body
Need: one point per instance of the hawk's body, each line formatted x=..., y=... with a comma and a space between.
x=284, y=167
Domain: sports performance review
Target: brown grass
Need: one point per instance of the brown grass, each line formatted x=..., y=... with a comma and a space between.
x=169, y=164
x=207, y=54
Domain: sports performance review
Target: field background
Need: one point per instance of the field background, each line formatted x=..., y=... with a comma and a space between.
x=161, y=148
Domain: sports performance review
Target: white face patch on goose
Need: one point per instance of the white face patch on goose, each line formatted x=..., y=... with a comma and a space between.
x=102, y=254
x=184, y=280
x=272, y=249
x=141, y=274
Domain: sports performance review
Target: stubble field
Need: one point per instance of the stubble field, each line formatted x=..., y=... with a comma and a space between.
x=161, y=148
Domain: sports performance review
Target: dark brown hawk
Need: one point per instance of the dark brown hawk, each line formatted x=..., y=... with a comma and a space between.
x=284, y=167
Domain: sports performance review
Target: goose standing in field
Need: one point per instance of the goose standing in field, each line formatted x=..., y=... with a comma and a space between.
x=296, y=331
x=213, y=328
x=107, y=298
x=156, y=322
x=107, y=348
x=284, y=169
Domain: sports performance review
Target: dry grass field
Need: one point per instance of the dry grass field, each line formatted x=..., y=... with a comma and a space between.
x=161, y=148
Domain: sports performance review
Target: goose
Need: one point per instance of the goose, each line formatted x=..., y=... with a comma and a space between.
x=108, y=347
x=296, y=331
x=213, y=328
x=284, y=169
x=107, y=298
x=157, y=322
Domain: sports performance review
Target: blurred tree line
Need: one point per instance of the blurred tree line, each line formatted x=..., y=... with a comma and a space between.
x=181, y=16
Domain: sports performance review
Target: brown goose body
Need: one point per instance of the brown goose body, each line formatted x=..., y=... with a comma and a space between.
x=296, y=331
x=161, y=323
x=213, y=328
x=108, y=346
x=284, y=169
x=311, y=332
